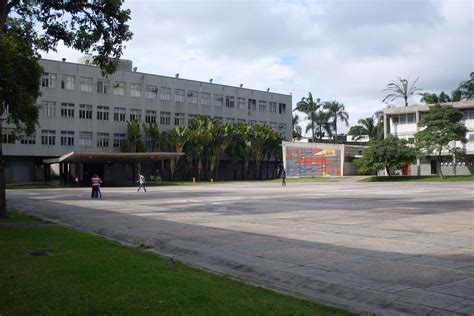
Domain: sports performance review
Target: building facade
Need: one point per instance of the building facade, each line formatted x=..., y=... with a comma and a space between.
x=402, y=122
x=81, y=110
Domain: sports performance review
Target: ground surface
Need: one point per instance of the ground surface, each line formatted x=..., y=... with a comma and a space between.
x=384, y=248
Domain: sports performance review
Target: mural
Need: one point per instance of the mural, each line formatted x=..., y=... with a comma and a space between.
x=312, y=162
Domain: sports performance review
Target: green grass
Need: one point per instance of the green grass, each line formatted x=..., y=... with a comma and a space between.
x=419, y=179
x=17, y=217
x=39, y=185
x=88, y=275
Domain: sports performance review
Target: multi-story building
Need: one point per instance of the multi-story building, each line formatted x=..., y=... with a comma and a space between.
x=81, y=110
x=403, y=123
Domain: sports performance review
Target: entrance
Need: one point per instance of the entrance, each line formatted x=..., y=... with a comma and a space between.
x=434, y=167
x=90, y=169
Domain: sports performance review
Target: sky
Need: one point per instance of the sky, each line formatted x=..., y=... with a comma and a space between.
x=339, y=50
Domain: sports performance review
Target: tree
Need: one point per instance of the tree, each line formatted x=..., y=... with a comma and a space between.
x=323, y=126
x=441, y=128
x=466, y=88
x=336, y=112
x=152, y=131
x=134, y=142
x=390, y=154
x=369, y=127
x=310, y=107
x=92, y=27
x=432, y=98
x=400, y=89
x=297, y=130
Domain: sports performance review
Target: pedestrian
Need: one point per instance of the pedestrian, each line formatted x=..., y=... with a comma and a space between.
x=99, y=192
x=76, y=182
x=95, y=181
x=141, y=182
x=283, y=178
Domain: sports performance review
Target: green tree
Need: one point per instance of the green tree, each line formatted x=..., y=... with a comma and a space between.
x=92, y=27
x=152, y=131
x=337, y=112
x=433, y=98
x=466, y=88
x=369, y=127
x=134, y=142
x=389, y=154
x=297, y=130
x=175, y=140
x=441, y=128
x=400, y=89
x=321, y=121
x=310, y=107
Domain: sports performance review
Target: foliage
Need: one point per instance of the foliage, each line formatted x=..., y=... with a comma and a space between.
x=152, y=131
x=440, y=127
x=310, y=107
x=466, y=88
x=433, y=98
x=26, y=27
x=390, y=154
x=336, y=112
x=400, y=89
x=297, y=130
x=134, y=142
x=370, y=127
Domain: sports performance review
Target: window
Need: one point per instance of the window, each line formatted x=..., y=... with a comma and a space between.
x=273, y=107
x=282, y=128
x=179, y=95
x=230, y=120
x=150, y=116
x=67, y=138
x=102, y=139
x=135, y=90
x=241, y=103
x=219, y=99
x=103, y=86
x=395, y=119
x=85, y=139
x=263, y=122
x=48, y=108
x=67, y=82
x=252, y=105
x=103, y=113
x=205, y=98
x=179, y=119
x=218, y=118
x=252, y=122
x=411, y=118
x=135, y=115
x=85, y=111
x=67, y=110
x=119, y=88
x=48, y=137
x=273, y=124
x=149, y=144
x=193, y=97
x=471, y=137
x=48, y=80
x=229, y=102
x=8, y=135
x=241, y=121
x=28, y=139
x=191, y=117
x=151, y=92
x=404, y=119
x=165, y=118
x=119, y=139
x=468, y=114
x=85, y=84
x=281, y=108
x=165, y=94
x=262, y=106
x=119, y=114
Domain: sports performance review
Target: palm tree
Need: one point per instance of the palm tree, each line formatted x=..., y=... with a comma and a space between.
x=400, y=88
x=336, y=112
x=366, y=127
x=176, y=140
x=152, y=130
x=466, y=88
x=319, y=122
x=297, y=130
x=310, y=107
x=133, y=143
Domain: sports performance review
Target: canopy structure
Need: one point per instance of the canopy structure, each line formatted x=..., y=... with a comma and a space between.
x=99, y=157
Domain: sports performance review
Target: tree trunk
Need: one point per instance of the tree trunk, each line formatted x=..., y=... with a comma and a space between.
x=388, y=172
x=439, y=164
x=3, y=203
x=335, y=131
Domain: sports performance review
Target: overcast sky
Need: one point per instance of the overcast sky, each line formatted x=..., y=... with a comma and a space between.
x=338, y=50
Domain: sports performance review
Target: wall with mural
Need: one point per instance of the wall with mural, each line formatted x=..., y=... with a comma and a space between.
x=317, y=161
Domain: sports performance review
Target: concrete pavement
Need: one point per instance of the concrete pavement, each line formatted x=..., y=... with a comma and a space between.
x=383, y=248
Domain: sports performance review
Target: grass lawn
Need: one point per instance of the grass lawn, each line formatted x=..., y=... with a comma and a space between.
x=419, y=179
x=88, y=275
x=39, y=185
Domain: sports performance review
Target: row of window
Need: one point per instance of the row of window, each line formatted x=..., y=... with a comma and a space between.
x=403, y=118
x=151, y=92
x=68, y=110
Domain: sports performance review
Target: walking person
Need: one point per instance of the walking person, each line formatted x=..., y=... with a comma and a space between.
x=99, y=192
x=95, y=181
x=283, y=178
x=141, y=182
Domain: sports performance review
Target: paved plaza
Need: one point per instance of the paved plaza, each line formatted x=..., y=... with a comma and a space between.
x=383, y=248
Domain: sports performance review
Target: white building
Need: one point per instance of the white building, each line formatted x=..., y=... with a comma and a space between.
x=402, y=122
x=83, y=111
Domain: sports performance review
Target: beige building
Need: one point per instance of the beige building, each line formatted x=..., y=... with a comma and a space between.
x=83, y=111
x=403, y=123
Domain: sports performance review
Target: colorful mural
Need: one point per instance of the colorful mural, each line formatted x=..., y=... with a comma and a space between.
x=312, y=162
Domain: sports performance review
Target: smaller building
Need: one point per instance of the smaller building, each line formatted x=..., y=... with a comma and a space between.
x=402, y=122
x=311, y=160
